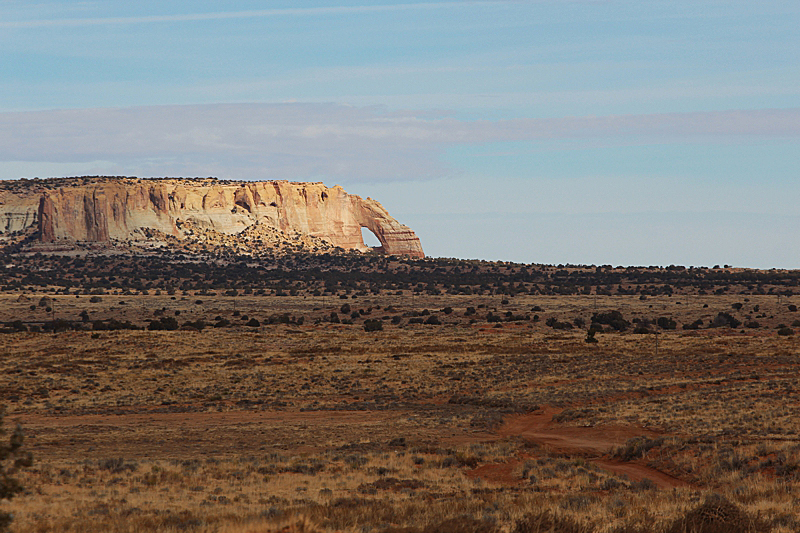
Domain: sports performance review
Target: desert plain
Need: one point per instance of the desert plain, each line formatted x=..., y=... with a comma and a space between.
x=362, y=393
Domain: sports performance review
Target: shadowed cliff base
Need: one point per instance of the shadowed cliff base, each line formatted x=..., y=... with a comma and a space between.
x=250, y=218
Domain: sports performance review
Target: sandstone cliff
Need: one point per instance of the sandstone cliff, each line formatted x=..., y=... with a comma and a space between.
x=119, y=209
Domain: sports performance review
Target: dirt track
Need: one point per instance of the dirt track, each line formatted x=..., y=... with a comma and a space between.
x=592, y=443
x=229, y=433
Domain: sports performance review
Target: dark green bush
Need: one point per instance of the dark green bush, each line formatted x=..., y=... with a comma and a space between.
x=725, y=320
x=165, y=323
x=199, y=325
x=112, y=324
x=372, y=324
x=12, y=459
x=613, y=319
x=666, y=323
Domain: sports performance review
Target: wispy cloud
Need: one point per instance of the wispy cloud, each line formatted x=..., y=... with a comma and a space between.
x=256, y=13
x=302, y=141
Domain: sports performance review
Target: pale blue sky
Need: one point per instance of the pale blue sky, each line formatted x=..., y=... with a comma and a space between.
x=623, y=132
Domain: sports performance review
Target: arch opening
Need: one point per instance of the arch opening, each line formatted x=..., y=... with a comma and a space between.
x=369, y=238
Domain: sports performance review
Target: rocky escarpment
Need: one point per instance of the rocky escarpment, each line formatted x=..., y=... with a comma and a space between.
x=100, y=210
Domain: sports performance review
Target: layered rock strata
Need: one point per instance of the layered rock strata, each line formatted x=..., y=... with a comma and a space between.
x=118, y=209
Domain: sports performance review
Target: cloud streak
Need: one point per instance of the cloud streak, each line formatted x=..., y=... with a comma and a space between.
x=258, y=13
x=299, y=141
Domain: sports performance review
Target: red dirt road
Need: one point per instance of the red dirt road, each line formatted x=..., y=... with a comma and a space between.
x=233, y=432
x=592, y=443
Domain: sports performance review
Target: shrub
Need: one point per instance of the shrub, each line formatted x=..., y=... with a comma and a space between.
x=433, y=320
x=12, y=459
x=723, y=320
x=253, y=323
x=611, y=318
x=643, y=485
x=372, y=324
x=694, y=325
x=199, y=325
x=165, y=323
x=116, y=465
x=636, y=448
x=718, y=515
x=785, y=331
x=666, y=323
x=58, y=325
x=16, y=326
x=112, y=324
x=554, y=323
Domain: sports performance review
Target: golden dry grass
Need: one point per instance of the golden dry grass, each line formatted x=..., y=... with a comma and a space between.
x=324, y=427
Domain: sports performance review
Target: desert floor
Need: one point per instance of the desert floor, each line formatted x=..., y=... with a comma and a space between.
x=465, y=425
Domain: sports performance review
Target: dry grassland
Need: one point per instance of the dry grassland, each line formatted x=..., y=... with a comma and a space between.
x=438, y=428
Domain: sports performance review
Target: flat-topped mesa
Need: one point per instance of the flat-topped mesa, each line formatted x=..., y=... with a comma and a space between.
x=106, y=209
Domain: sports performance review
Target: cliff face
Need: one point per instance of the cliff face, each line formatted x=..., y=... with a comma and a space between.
x=105, y=209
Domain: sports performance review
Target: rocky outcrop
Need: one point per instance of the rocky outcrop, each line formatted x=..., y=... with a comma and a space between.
x=118, y=209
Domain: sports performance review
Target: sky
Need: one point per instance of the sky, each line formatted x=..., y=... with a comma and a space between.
x=641, y=132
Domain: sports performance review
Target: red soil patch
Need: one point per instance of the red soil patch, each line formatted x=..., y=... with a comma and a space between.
x=593, y=443
x=539, y=427
x=496, y=473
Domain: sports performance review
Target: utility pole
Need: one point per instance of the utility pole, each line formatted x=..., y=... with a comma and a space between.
x=656, y=330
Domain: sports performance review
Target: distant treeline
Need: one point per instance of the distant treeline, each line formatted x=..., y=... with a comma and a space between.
x=320, y=274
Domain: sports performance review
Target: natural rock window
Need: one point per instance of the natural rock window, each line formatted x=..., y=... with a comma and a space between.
x=369, y=238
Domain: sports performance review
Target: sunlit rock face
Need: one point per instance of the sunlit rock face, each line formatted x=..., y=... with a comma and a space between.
x=106, y=209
